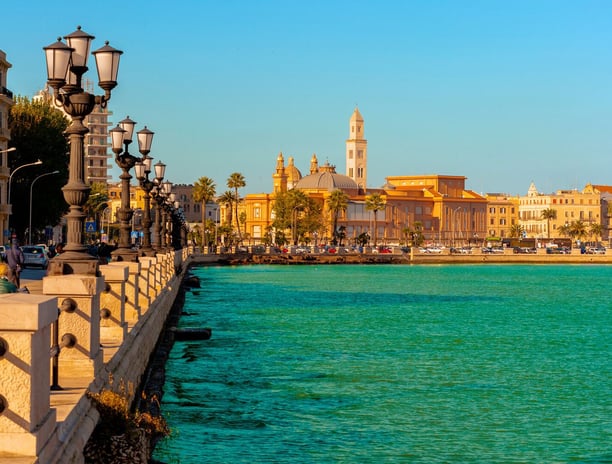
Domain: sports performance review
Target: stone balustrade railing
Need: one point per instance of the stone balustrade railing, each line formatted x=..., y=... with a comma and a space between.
x=114, y=324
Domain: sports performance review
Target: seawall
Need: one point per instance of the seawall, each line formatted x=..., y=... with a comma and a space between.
x=115, y=320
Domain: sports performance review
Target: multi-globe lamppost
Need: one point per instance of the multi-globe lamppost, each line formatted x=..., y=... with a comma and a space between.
x=160, y=172
x=66, y=64
x=142, y=170
x=122, y=135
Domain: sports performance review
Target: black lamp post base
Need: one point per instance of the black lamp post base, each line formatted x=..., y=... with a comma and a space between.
x=66, y=264
x=124, y=255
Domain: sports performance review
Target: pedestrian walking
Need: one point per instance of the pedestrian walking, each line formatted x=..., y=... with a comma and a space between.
x=14, y=259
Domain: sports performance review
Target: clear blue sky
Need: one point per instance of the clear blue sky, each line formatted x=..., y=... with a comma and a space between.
x=502, y=92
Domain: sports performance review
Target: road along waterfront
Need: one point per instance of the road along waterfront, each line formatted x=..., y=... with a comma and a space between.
x=440, y=363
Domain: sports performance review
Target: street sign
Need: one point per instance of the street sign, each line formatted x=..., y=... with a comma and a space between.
x=90, y=227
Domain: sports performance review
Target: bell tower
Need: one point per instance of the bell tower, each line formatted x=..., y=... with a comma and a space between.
x=357, y=151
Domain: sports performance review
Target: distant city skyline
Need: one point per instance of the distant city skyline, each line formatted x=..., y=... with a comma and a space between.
x=503, y=93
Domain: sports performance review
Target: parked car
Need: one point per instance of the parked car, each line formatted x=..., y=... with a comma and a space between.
x=35, y=256
x=558, y=250
x=525, y=250
x=596, y=251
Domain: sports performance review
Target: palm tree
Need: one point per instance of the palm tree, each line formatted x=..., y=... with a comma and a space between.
x=236, y=181
x=375, y=202
x=297, y=201
x=549, y=214
x=337, y=202
x=595, y=230
x=227, y=198
x=577, y=230
x=204, y=190
x=517, y=231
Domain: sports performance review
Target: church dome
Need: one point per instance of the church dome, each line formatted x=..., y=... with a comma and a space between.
x=328, y=179
x=293, y=174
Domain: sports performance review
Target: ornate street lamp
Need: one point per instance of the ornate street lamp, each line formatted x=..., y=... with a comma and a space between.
x=122, y=135
x=142, y=170
x=66, y=64
x=160, y=172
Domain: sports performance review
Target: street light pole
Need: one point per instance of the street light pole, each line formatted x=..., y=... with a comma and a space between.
x=122, y=135
x=66, y=64
x=31, y=187
x=36, y=163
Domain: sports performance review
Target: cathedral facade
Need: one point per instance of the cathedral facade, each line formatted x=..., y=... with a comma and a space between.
x=440, y=206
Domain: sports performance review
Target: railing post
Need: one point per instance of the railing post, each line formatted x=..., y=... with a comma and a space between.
x=113, y=328
x=84, y=323
x=132, y=291
x=26, y=418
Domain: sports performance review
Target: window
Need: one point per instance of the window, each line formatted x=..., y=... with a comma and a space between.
x=350, y=172
x=360, y=173
x=502, y=222
x=492, y=210
x=350, y=154
x=502, y=210
x=256, y=212
x=359, y=154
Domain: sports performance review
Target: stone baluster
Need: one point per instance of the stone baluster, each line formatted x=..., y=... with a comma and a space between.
x=84, y=323
x=132, y=291
x=113, y=327
x=26, y=418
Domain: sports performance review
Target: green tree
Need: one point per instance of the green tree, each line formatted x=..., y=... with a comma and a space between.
x=375, y=202
x=236, y=181
x=337, y=203
x=595, y=230
x=298, y=212
x=204, y=191
x=227, y=198
x=516, y=230
x=565, y=230
x=548, y=215
x=96, y=204
x=417, y=234
x=38, y=132
x=577, y=230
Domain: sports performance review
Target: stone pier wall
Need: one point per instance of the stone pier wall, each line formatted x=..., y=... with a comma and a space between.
x=113, y=322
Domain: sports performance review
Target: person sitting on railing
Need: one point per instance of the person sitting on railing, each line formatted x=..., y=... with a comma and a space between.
x=6, y=286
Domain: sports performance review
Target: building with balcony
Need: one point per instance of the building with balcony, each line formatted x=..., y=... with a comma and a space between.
x=97, y=143
x=6, y=101
x=591, y=205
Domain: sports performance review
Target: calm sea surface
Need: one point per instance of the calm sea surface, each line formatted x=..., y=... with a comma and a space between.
x=415, y=364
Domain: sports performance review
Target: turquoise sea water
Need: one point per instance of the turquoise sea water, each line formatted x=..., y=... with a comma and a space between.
x=373, y=364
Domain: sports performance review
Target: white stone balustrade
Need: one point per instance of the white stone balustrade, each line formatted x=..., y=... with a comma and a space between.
x=113, y=327
x=84, y=323
x=26, y=418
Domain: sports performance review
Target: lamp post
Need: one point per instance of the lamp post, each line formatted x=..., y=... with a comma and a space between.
x=31, y=187
x=160, y=172
x=66, y=64
x=142, y=170
x=35, y=163
x=122, y=135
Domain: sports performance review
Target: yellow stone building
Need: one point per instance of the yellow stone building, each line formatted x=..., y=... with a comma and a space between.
x=589, y=205
x=502, y=214
x=446, y=211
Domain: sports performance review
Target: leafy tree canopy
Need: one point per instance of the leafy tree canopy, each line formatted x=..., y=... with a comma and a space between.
x=37, y=132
